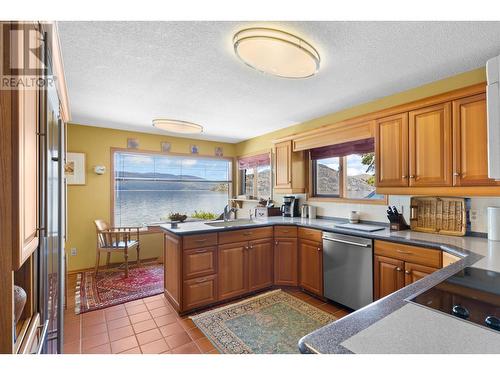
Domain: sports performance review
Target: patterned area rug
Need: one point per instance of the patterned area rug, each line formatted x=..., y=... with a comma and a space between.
x=269, y=323
x=112, y=288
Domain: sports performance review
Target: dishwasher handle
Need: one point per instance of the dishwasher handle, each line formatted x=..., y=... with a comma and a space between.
x=347, y=242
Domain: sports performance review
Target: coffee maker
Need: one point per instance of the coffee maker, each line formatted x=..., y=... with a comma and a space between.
x=290, y=206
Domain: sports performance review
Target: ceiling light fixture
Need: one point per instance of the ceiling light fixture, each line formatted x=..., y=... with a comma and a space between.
x=177, y=126
x=276, y=52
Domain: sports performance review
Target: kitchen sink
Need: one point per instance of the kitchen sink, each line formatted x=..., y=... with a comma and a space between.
x=230, y=223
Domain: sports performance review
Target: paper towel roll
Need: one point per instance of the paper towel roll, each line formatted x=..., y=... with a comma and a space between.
x=494, y=223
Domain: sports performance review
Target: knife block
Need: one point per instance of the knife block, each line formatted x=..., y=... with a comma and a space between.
x=400, y=224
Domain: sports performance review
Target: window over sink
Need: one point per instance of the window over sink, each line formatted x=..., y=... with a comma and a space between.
x=147, y=187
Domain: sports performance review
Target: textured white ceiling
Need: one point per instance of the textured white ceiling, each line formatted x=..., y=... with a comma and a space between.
x=124, y=74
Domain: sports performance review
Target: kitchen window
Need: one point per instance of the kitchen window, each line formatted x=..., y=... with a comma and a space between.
x=345, y=171
x=147, y=187
x=255, y=176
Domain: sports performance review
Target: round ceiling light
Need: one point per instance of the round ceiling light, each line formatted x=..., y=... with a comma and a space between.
x=177, y=126
x=276, y=52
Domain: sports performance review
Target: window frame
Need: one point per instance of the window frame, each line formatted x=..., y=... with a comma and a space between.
x=241, y=175
x=342, y=197
x=113, y=150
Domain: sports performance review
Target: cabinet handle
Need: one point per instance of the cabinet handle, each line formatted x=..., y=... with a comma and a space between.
x=404, y=177
x=404, y=252
x=201, y=251
x=407, y=272
x=398, y=269
x=456, y=174
x=201, y=280
x=412, y=176
x=247, y=233
x=202, y=240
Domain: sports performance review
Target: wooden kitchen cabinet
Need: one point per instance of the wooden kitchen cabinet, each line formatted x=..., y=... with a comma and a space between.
x=470, y=152
x=200, y=291
x=286, y=261
x=396, y=265
x=311, y=266
x=391, y=150
x=199, y=262
x=232, y=276
x=260, y=264
x=289, y=169
x=388, y=276
x=414, y=272
x=430, y=144
x=25, y=127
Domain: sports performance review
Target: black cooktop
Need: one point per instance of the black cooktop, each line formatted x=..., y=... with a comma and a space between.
x=472, y=294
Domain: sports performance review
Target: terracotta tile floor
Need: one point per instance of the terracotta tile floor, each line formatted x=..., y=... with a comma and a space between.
x=149, y=325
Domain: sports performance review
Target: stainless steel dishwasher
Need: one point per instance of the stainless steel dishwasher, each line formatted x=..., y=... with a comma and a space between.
x=348, y=269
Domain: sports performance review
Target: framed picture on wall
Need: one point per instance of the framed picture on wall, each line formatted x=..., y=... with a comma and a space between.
x=219, y=152
x=166, y=146
x=193, y=149
x=132, y=143
x=74, y=169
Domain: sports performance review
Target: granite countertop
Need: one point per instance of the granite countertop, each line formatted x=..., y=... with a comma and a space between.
x=362, y=325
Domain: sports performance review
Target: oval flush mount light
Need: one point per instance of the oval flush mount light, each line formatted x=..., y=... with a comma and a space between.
x=177, y=126
x=276, y=52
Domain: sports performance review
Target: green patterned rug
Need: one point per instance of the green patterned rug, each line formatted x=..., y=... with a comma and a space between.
x=269, y=323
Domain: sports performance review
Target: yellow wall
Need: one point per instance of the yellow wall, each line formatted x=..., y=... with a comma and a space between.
x=93, y=200
x=448, y=84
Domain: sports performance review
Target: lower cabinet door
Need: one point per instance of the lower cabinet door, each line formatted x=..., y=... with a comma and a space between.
x=311, y=266
x=286, y=262
x=260, y=264
x=414, y=272
x=232, y=266
x=199, y=292
x=388, y=276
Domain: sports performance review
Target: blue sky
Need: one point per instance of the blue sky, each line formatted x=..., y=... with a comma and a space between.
x=207, y=168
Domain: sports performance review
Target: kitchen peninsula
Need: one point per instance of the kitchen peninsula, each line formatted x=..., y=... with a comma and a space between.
x=210, y=264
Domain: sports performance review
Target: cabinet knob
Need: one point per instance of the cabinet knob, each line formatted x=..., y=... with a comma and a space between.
x=404, y=176
x=398, y=269
x=276, y=243
x=319, y=248
x=251, y=246
x=456, y=174
x=407, y=272
x=412, y=176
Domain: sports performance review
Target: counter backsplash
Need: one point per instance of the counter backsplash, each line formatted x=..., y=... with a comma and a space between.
x=372, y=212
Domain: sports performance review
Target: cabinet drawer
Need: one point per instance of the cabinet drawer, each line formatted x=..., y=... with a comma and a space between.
x=199, y=240
x=285, y=231
x=199, y=292
x=310, y=234
x=245, y=235
x=413, y=254
x=199, y=262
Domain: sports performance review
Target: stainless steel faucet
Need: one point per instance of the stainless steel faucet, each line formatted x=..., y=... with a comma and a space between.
x=227, y=212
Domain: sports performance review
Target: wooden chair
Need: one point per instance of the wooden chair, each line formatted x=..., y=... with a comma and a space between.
x=111, y=240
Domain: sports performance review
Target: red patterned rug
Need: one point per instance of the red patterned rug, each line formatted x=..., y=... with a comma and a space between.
x=112, y=288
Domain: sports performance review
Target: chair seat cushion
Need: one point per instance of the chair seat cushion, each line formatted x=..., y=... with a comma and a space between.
x=121, y=244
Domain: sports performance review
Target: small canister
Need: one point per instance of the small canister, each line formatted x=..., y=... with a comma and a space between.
x=311, y=212
x=494, y=223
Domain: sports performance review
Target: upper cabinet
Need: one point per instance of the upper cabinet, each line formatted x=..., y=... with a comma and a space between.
x=470, y=154
x=25, y=111
x=430, y=146
x=437, y=147
x=392, y=139
x=289, y=172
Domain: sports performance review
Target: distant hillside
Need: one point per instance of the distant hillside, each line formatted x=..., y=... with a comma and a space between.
x=140, y=181
x=357, y=186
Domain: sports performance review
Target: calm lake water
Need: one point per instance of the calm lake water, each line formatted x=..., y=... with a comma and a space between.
x=139, y=207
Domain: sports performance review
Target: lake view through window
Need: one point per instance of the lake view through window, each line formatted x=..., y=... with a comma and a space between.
x=148, y=187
